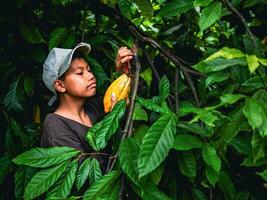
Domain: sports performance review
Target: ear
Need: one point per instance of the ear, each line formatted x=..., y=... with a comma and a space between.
x=59, y=86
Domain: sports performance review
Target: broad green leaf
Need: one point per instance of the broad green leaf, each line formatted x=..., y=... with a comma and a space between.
x=30, y=32
x=202, y=2
x=263, y=174
x=128, y=155
x=258, y=147
x=28, y=84
x=83, y=173
x=187, y=163
x=125, y=7
x=99, y=187
x=22, y=177
x=139, y=133
x=263, y=61
x=147, y=76
x=212, y=175
x=95, y=172
x=156, y=144
x=139, y=113
x=150, y=191
x=148, y=103
x=253, y=63
x=63, y=187
x=45, y=157
x=215, y=78
x=210, y=157
x=230, y=98
x=43, y=180
x=56, y=37
x=208, y=117
x=14, y=100
x=253, y=84
x=5, y=164
x=194, y=128
x=241, y=144
x=112, y=193
x=146, y=7
x=176, y=7
x=218, y=64
x=70, y=40
x=109, y=125
x=155, y=175
x=253, y=112
x=226, y=52
x=209, y=15
x=227, y=186
x=186, y=142
x=164, y=88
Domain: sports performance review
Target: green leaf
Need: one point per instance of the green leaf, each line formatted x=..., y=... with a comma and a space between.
x=83, y=173
x=150, y=191
x=186, y=142
x=101, y=186
x=149, y=104
x=14, y=100
x=187, y=164
x=226, y=52
x=263, y=61
x=128, y=155
x=258, y=147
x=5, y=164
x=95, y=172
x=147, y=76
x=193, y=128
x=56, y=37
x=227, y=186
x=210, y=157
x=227, y=99
x=156, y=144
x=253, y=112
x=139, y=113
x=45, y=157
x=102, y=131
x=146, y=7
x=43, y=180
x=164, y=87
x=209, y=15
x=125, y=7
x=30, y=32
x=253, y=63
x=155, y=175
x=263, y=174
x=215, y=78
x=212, y=175
x=241, y=144
x=202, y=2
x=198, y=194
x=22, y=177
x=63, y=187
x=253, y=84
x=112, y=193
x=176, y=7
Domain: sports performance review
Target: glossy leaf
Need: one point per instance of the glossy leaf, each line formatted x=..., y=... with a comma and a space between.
x=5, y=164
x=156, y=144
x=227, y=186
x=45, y=157
x=146, y=7
x=209, y=15
x=210, y=157
x=64, y=186
x=253, y=112
x=150, y=191
x=99, y=187
x=253, y=63
x=43, y=180
x=187, y=164
x=83, y=173
x=164, y=88
x=216, y=78
x=149, y=104
x=95, y=172
x=263, y=174
x=212, y=175
x=56, y=37
x=139, y=113
x=202, y=2
x=30, y=32
x=176, y=7
x=186, y=142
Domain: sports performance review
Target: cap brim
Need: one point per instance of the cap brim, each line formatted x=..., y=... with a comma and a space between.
x=83, y=48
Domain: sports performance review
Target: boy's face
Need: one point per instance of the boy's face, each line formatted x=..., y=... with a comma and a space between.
x=78, y=80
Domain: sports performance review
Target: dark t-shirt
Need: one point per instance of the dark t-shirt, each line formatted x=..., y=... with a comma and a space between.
x=61, y=131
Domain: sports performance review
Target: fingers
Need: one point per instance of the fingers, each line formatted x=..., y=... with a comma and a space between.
x=123, y=57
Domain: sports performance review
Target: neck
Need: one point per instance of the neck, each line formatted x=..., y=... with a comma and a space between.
x=71, y=107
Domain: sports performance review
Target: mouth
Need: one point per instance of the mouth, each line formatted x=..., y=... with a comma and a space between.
x=92, y=85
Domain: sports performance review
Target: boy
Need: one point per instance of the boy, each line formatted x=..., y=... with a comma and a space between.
x=68, y=76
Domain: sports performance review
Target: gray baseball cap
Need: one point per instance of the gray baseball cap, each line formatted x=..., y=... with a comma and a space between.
x=57, y=63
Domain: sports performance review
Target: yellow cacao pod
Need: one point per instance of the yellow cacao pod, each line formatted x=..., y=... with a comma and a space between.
x=120, y=88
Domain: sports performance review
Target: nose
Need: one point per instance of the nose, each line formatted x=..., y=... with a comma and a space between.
x=90, y=76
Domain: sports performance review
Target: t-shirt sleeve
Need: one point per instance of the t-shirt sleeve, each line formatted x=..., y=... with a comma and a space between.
x=56, y=133
x=94, y=107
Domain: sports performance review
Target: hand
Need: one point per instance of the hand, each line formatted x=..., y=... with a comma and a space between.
x=123, y=59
